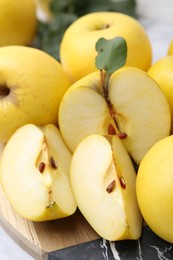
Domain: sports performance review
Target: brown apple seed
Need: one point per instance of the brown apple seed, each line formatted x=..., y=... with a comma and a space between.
x=122, y=182
x=111, y=130
x=41, y=167
x=122, y=135
x=111, y=186
x=53, y=163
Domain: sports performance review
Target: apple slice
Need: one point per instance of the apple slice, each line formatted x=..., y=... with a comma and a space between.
x=35, y=173
x=135, y=110
x=2, y=145
x=104, y=184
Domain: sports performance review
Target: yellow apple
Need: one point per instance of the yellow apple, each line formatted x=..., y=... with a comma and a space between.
x=104, y=185
x=154, y=188
x=18, y=22
x=161, y=71
x=170, y=48
x=32, y=84
x=77, y=49
x=2, y=145
x=34, y=173
x=44, y=12
x=136, y=110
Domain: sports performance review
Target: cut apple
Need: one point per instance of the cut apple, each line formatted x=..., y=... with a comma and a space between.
x=136, y=110
x=35, y=173
x=2, y=145
x=104, y=184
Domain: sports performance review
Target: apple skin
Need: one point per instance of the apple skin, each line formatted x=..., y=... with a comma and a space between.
x=32, y=84
x=154, y=188
x=18, y=22
x=170, y=48
x=142, y=111
x=2, y=145
x=161, y=72
x=44, y=13
x=35, y=193
x=96, y=162
x=77, y=49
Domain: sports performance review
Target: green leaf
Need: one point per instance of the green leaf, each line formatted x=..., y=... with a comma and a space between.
x=112, y=54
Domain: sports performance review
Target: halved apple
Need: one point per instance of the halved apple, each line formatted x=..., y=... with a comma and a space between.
x=2, y=145
x=104, y=184
x=35, y=173
x=136, y=110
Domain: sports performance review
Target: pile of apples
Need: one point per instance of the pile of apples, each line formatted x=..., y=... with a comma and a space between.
x=68, y=142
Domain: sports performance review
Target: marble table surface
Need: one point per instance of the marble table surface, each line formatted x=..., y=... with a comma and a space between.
x=156, y=17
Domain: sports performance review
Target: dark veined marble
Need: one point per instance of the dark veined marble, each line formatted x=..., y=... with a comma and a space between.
x=148, y=247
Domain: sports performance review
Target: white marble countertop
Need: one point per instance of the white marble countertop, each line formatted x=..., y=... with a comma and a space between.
x=156, y=17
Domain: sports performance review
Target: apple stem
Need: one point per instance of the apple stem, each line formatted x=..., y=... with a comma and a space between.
x=113, y=130
x=105, y=85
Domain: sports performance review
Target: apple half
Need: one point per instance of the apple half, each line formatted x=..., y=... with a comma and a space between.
x=103, y=180
x=136, y=110
x=34, y=173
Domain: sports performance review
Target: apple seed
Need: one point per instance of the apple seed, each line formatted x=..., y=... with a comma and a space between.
x=41, y=167
x=122, y=135
x=53, y=163
x=122, y=182
x=111, y=130
x=111, y=186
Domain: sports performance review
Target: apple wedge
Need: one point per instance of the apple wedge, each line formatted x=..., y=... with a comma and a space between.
x=104, y=185
x=35, y=173
x=136, y=110
x=2, y=145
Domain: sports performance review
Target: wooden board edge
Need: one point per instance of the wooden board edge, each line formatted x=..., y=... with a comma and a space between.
x=22, y=241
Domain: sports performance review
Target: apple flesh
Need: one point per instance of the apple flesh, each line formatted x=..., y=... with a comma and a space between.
x=32, y=84
x=104, y=185
x=34, y=173
x=2, y=145
x=137, y=111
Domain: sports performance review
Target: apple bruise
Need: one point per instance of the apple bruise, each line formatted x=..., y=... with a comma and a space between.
x=113, y=129
x=47, y=166
x=4, y=91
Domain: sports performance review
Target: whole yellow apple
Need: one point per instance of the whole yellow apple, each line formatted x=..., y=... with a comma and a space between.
x=154, y=188
x=77, y=49
x=32, y=84
x=161, y=72
x=170, y=48
x=18, y=22
x=44, y=12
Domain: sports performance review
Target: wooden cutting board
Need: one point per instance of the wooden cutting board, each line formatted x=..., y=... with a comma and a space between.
x=41, y=238
x=73, y=238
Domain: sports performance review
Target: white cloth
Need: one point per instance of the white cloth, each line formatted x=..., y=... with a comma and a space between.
x=156, y=16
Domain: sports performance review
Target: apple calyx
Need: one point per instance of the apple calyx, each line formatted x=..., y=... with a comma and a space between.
x=112, y=55
x=4, y=91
